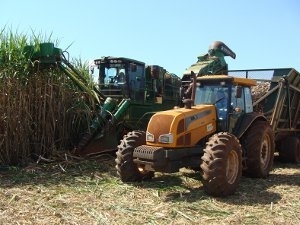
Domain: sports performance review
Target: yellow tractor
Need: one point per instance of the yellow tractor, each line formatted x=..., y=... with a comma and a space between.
x=223, y=126
x=216, y=131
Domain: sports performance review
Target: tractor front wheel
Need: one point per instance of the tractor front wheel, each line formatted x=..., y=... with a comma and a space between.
x=221, y=164
x=127, y=170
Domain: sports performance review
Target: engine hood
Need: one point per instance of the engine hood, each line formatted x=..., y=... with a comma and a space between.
x=184, y=127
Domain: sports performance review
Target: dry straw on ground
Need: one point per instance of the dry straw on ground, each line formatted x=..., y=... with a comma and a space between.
x=86, y=191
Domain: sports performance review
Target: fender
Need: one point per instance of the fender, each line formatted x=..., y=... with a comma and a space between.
x=246, y=121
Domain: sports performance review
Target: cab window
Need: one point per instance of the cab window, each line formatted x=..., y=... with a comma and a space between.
x=244, y=102
x=248, y=100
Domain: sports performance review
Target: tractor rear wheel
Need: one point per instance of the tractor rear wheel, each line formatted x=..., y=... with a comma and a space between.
x=221, y=164
x=259, y=146
x=290, y=150
x=127, y=170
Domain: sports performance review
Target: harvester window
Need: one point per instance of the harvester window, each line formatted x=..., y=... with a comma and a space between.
x=136, y=83
x=120, y=78
x=110, y=75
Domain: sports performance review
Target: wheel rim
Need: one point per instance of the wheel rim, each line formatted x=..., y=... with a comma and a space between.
x=232, y=168
x=265, y=152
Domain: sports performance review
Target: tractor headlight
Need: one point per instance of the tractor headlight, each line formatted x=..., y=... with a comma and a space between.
x=166, y=138
x=149, y=137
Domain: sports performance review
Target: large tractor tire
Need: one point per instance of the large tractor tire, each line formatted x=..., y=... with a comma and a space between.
x=221, y=165
x=259, y=146
x=127, y=170
x=290, y=150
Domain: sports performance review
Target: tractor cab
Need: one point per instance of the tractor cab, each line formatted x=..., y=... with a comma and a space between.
x=231, y=97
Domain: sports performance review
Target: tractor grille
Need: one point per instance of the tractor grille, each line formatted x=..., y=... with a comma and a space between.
x=146, y=152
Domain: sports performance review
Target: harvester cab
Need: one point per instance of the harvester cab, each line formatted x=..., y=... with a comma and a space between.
x=120, y=78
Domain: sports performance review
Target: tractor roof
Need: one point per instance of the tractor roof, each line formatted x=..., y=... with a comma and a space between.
x=234, y=80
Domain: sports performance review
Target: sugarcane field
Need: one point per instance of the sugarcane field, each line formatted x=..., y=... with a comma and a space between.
x=119, y=141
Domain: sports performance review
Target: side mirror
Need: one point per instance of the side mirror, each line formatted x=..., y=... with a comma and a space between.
x=238, y=92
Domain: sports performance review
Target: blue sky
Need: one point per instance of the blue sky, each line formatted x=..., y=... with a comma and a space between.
x=170, y=33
